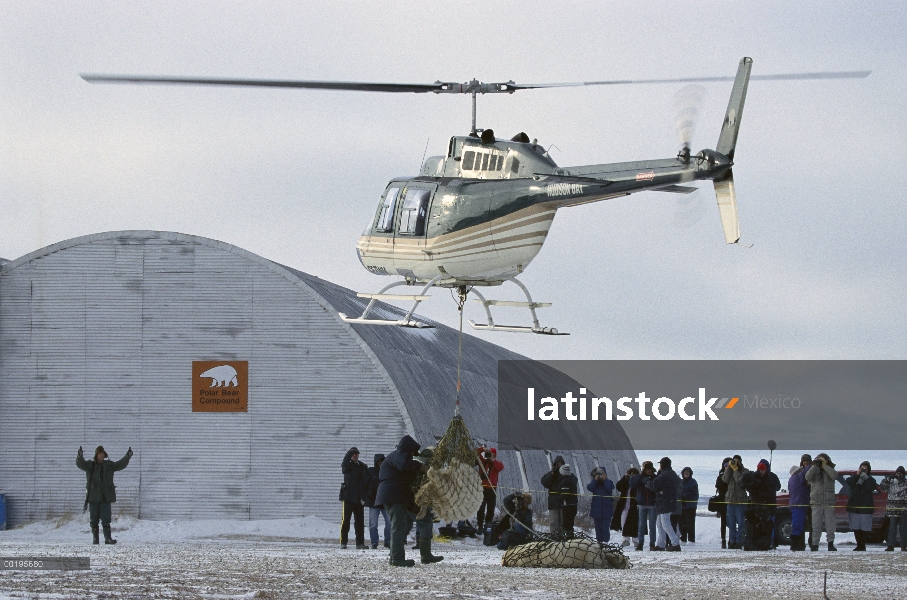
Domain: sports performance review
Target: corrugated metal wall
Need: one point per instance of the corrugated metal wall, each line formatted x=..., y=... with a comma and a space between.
x=97, y=340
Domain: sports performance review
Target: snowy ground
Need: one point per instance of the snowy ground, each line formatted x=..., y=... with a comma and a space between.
x=301, y=558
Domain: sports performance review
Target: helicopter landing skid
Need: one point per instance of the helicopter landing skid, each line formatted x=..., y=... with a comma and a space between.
x=407, y=320
x=491, y=326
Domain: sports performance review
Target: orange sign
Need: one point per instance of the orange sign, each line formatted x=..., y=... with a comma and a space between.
x=220, y=386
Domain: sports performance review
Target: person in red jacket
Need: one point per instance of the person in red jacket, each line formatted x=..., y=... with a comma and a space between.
x=489, y=467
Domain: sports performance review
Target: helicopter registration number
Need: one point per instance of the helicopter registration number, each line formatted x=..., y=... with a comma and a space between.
x=645, y=176
x=564, y=189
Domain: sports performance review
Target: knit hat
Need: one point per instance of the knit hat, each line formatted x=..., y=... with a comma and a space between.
x=597, y=471
x=794, y=469
x=558, y=459
x=493, y=451
x=806, y=458
x=868, y=466
x=763, y=465
x=100, y=449
x=827, y=459
x=565, y=470
x=665, y=463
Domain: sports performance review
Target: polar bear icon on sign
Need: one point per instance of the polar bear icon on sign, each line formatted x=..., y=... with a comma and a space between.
x=222, y=376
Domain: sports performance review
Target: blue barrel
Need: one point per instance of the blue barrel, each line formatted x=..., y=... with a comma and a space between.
x=2, y=512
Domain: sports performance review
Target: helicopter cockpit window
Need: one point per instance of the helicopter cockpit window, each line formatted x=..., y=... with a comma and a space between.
x=386, y=214
x=515, y=165
x=468, y=158
x=412, y=216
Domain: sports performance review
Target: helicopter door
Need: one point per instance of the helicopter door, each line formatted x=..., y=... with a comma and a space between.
x=409, y=241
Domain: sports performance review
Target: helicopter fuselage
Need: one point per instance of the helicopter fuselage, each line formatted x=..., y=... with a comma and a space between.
x=481, y=214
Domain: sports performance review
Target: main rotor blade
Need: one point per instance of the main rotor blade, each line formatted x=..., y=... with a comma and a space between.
x=779, y=77
x=438, y=87
x=358, y=86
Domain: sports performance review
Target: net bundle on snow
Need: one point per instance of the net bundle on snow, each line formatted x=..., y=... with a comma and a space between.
x=576, y=551
x=452, y=487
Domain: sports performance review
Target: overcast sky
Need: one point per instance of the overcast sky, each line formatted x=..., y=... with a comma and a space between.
x=294, y=175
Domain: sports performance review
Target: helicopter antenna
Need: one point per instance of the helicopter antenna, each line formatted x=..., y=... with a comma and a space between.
x=424, y=152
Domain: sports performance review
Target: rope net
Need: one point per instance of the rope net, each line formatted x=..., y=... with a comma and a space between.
x=451, y=487
x=574, y=550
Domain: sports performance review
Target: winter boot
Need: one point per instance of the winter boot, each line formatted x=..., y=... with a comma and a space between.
x=889, y=549
x=861, y=541
x=107, y=538
x=425, y=550
x=831, y=547
x=814, y=548
x=95, y=533
x=724, y=544
x=795, y=543
x=407, y=562
x=638, y=547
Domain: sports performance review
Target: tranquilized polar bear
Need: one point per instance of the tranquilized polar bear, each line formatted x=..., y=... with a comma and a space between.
x=222, y=376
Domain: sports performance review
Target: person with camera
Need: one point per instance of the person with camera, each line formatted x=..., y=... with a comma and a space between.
x=395, y=492
x=602, y=507
x=551, y=482
x=860, y=505
x=645, y=503
x=489, y=467
x=353, y=493
x=798, y=490
x=821, y=476
x=519, y=514
x=721, y=500
x=568, y=488
x=100, y=492
x=737, y=500
x=763, y=486
x=626, y=513
x=376, y=510
x=896, y=510
x=689, y=499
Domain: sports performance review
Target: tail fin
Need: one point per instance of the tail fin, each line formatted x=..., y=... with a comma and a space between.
x=727, y=207
x=728, y=138
x=724, y=187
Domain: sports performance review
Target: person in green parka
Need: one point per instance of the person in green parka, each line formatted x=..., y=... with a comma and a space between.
x=100, y=491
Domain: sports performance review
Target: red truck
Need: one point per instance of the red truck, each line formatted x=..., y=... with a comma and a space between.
x=842, y=492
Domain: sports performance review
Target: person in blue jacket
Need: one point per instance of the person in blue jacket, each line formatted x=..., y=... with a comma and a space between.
x=602, y=508
x=798, y=494
x=689, y=499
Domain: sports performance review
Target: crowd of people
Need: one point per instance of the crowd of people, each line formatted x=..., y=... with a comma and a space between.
x=657, y=503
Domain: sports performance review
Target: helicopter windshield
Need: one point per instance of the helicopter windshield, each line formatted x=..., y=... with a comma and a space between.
x=386, y=213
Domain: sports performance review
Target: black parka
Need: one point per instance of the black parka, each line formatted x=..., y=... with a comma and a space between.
x=355, y=478
x=397, y=474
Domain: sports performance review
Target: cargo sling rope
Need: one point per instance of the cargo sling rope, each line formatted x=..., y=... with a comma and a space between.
x=450, y=487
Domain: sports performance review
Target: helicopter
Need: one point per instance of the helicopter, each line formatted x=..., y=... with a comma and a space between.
x=477, y=216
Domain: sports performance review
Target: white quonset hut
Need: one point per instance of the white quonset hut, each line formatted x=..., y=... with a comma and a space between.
x=102, y=340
